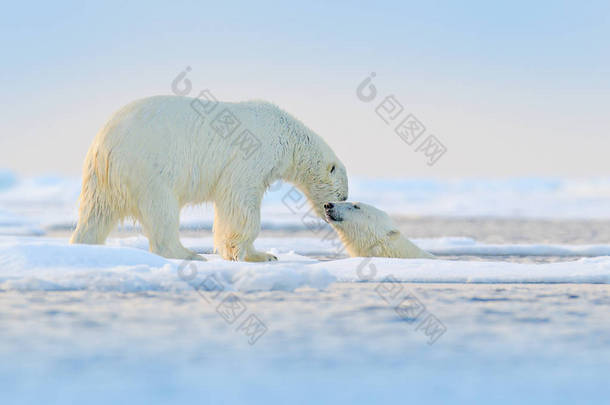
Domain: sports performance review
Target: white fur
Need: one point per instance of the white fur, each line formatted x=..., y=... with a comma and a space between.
x=157, y=154
x=369, y=232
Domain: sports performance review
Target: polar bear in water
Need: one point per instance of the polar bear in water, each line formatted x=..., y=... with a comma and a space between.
x=160, y=153
x=369, y=232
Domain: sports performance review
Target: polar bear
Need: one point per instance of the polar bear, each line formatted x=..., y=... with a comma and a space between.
x=158, y=154
x=369, y=232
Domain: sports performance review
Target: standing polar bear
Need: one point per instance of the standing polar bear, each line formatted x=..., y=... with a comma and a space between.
x=160, y=153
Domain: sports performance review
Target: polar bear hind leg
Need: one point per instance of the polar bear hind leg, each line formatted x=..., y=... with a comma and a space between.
x=94, y=225
x=97, y=215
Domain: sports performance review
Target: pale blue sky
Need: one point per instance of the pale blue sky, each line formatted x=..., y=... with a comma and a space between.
x=513, y=89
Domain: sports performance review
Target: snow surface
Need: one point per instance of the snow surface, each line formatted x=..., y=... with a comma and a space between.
x=117, y=324
x=36, y=205
x=446, y=246
x=461, y=246
x=51, y=264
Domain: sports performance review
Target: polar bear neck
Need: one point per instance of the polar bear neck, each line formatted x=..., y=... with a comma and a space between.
x=304, y=146
x=390, y=245
x=366, y=247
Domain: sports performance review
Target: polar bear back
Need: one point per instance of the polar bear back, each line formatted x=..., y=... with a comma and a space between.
x=170, y=138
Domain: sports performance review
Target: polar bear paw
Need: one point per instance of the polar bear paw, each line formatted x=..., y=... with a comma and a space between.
x=256, y=256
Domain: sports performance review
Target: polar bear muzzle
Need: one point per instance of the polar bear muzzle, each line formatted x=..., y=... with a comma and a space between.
x=331, y=213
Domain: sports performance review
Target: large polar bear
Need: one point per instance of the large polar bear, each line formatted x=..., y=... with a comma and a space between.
x=369, y=232
x=160, y=153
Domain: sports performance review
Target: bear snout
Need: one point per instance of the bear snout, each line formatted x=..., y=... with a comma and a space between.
x=331, y=214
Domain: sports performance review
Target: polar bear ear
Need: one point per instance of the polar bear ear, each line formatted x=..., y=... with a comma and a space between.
x=393, y=234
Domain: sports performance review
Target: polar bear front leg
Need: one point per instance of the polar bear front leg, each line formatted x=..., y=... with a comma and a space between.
x=159, y=214
x=236, y=225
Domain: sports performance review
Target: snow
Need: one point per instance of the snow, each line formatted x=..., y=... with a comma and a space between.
x=590, y=270
x=32, y=206
x=13, y=224
x=51, y=264
x=118, y=324
x=461, y=246
x=444, y=246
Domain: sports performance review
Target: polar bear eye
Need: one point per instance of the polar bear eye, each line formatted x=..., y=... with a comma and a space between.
x=356, y=207
x=332, y=169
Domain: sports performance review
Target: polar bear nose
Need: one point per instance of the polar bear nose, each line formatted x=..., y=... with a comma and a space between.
x=328, y=205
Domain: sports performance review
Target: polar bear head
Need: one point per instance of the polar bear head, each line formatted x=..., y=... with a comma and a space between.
x=367, y=231
x=360, y=226
x=321, y=175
